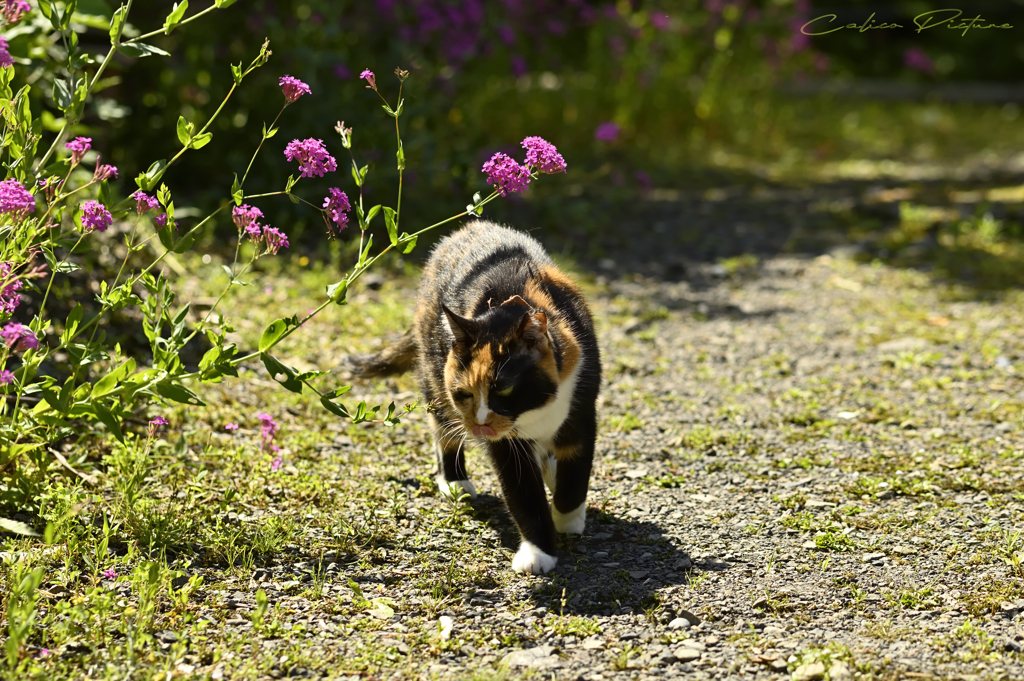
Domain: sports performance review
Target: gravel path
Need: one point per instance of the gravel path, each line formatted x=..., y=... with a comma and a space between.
x=807, y=468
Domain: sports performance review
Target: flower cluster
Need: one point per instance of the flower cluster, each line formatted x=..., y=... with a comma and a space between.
x=103, y=172
x=268, y=429
x=5, y=55
x=275, y=239
x=144, y=202
x=336, y=205
x=161, y=221
x=6, y=377
x=543, y=155
x=245, y=217
x=110, y=574
x=78, y=147
x=312, y=157
x=9, y=296
x=506, y=175
x=19, y=337
x=293, y=88
x=230, y=427
x=14, y=10
x=155, y=424
x=95, y=217
x=368, y=75
x=15, y=200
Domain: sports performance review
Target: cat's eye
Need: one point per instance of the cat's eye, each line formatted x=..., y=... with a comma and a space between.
x=505, y=392
x=462, y=395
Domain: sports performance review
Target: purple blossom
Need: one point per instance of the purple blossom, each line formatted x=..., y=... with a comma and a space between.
x=14, y=10
x=9, y=296
x=276, y=463
x=917, y=59
x=78, y=147
x=160, y=220
x=312, y=157
x=103, y=172
x=6, y=377
x=50, y=185
x=660, y=21
x=15, y=200
x=368, y=75
x=268, y=429
x=230, y=427
x=336, y=205
x=155, y=424
x=543, y=155
x=607, y=132
x=19, y=336
x=5, y=55
x=245, y=216
x=506, y=175
x=144, y=202
x=111, y=573
x=275, y=238
x=95, y=217
x=254, y=232
x=293, y=88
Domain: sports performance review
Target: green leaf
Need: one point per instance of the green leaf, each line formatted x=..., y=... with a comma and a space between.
x=366, y=251
x=69, y=11
x=139, y=50
x=390, y=111
x=177, y=393
x=283, y=374
x=356, y=177
x=62, y=94
x=116, y=25
x=223, y=4
x=273, y=333
x=410, y=242
x=372, y=214
x=401, y=156
x=200, y=141
x=184, y=244
x=389, y=220
x=15, y=527
x=334, y=408
x=152, y=176
x=107, y=419
x=183, y=131
x=236, y=73
x=337, y=292
x=174, y=18
x=337, y=392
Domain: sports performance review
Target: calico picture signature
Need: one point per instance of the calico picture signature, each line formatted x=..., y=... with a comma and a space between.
x=948, y=18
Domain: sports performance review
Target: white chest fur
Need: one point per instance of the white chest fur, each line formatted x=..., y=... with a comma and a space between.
x=542, y=424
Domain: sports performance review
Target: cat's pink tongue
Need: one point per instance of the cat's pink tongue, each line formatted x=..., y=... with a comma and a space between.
x=483, y=431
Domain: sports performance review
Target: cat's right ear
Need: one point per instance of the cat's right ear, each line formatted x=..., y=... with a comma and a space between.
x=465, y=330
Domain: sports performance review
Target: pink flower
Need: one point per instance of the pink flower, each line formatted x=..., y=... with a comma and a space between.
x=660, y=21
x=78, y=147
x=276, y=464
x=103, y=172
x=312, y=157
x=6, y=377
x=230, y=427
x=144, y=202
x=95, y=217
x=607, y=132
x=293, y=88
x=268, y=429
x=6, y=61
x=336, y=205
x=110, y=574
x=160, y=220
x=14, y=10
x=9, y=296
x=368, y=75
x=245, y=216
x=543, y=155
x=155, y=424
x=506, y=175
x=275, y=239
x=19, y=337
x=15, y=200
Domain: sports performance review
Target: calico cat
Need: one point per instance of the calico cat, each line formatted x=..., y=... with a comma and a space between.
x=505, y=352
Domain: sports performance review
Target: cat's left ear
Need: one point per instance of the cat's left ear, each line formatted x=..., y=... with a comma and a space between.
x=533, y=329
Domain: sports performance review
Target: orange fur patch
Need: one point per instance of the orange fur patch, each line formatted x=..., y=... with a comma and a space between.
x=564, y=453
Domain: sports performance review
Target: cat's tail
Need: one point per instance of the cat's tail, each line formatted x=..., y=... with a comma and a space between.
x=394, y=359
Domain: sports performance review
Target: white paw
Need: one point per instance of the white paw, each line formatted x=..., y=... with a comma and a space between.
x=531, y=559
x=571, y=522
x=455, y=488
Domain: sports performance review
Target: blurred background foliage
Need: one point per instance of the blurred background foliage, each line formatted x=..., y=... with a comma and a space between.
x=637, y=95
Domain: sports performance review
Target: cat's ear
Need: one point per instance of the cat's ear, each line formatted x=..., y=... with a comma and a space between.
x=465, y=330
x=516, y=300
x=533, y=329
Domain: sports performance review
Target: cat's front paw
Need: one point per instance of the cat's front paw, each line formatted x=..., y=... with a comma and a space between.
x=572, y=522
x=455, y=488
x=531, y=559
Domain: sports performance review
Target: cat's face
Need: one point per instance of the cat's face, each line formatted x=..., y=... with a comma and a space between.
x=501, y=365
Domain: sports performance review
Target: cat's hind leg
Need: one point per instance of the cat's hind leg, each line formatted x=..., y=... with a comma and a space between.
x=449, y=447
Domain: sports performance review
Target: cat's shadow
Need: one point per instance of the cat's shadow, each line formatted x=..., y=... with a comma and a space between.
x=618, y=565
